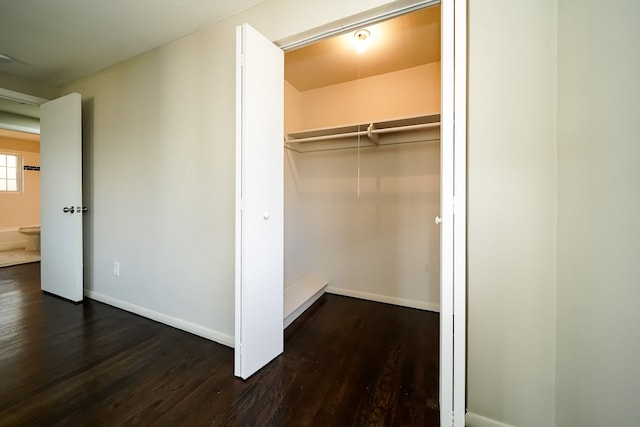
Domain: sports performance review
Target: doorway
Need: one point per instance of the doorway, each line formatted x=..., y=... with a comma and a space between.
x=20, y=167
x=453, y=144
x=61, y=152
x=362, y=165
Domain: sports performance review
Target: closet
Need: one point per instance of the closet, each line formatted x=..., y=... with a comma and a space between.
x=362, y=166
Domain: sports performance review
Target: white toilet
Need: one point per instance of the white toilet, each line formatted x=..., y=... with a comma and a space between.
x=33, y=237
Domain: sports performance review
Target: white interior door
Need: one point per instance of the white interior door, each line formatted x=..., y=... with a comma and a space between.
x=259, y=335
x=61, y=197
x=460, y=215
x=453, y=211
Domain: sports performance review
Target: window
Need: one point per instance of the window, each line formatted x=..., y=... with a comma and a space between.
x=9, y=176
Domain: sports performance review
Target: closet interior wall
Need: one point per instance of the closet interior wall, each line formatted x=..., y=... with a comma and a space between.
x=382, y=244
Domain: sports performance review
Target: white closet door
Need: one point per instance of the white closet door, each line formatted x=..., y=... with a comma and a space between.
x=61, y=197
x=453, y=215
x=460, y=214
x=259, y=335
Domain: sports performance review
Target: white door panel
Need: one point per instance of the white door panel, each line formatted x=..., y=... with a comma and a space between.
x=60, y=188
x=259, y=333
x=453, y=212
x=460, y=214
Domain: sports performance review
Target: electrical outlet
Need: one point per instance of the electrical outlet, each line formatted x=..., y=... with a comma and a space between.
x=116, y=268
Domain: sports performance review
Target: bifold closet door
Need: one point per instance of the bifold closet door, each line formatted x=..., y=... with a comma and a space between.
x=259, y=334
x=453, y=214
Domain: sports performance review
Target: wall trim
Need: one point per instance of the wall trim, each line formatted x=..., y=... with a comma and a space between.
x=475, y=420
x=23, y=98
x=13, y=244
x=192, y=328
x=420, y=305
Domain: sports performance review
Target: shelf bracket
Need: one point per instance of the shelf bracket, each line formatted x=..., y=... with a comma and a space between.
x=375, y=138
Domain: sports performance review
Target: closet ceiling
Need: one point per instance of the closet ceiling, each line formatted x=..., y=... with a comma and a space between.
x=403, y=42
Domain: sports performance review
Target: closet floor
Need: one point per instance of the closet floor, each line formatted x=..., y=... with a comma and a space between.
x=347, y=362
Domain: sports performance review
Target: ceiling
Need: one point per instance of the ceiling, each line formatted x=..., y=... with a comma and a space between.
x=403, y=42
x=63, y=40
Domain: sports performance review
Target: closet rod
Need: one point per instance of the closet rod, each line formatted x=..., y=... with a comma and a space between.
x=362, y=147
x=365, y=132
x=405, y=128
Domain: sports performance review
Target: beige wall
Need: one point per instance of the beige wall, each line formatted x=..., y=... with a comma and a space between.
x=598, y=330
x=512, y=211
x=368, y=99
x=23, y=208
x=292, y=108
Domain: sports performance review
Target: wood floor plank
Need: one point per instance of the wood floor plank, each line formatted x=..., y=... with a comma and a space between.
x=347, y=362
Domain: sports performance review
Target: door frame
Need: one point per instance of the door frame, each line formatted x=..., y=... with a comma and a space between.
x=453, y=307
x=453, y=287
x=25, y=98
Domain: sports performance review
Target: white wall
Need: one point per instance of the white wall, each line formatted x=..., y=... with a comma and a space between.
x=159, y=169
x=383, y=245
x=599, y=210
x=512, y=210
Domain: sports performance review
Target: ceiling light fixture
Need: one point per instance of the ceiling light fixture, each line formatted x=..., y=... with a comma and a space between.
x=361, y=37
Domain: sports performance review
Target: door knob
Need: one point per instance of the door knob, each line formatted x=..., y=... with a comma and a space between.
x=69, y=209
x=266, y=215
x=438, y=220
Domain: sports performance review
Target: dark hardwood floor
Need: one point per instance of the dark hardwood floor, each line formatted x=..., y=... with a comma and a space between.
x=347, y=362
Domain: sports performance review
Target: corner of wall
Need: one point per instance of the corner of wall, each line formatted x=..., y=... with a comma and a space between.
x=28, y=86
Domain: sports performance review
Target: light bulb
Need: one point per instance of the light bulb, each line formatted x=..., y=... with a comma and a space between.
x=361, y=37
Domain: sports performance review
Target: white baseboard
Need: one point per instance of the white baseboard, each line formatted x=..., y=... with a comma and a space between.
x=201, y=331
x=14, y=244
x=384, y=298
x=475, y=420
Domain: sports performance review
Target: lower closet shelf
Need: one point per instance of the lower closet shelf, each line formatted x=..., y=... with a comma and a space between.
x=301, y=295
